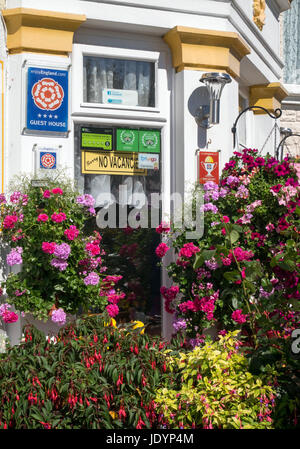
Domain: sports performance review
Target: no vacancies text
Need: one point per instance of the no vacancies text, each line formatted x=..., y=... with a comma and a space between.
x=151, y=438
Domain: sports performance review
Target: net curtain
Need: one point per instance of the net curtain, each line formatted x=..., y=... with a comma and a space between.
x=101, y=73
x=291, y=44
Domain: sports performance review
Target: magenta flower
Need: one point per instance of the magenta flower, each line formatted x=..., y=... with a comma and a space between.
x=10, y=221
x=112, y=310
x=188, y=250
x=57, y=191
x=46, y=194
x=62, y=251
x=161, y=249
x=14, y=257
x=238, y=316
x=163, y=228
x=42, y=217
x=58, y=218
x=71, y=233
x=91, y=279
x=58, y=316
x=60, y=264
x=48, y=247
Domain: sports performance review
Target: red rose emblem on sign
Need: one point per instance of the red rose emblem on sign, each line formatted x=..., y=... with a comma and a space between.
x=47, y=94
x=48, y=160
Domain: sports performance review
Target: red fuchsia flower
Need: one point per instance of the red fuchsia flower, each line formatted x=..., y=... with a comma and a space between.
x=46, y=194
x=161, y=249
x=10, y=221
x=42, y=217
x=57, y=191
x=238, y=316
x=48, y=247
x=140, y=423
x=58, y=218
x=112, y=310
x=163, y=228
x=71, y=233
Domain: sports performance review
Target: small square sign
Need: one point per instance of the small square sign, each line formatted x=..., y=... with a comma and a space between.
x=127, y=140
x=48, y=160
x=149, y=141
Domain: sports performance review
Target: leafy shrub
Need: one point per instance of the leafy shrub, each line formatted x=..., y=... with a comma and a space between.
x=95, y=376
x=214, y=389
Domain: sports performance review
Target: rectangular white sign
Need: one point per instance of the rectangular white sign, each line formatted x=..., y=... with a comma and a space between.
x=120, y=96
x=148, y=161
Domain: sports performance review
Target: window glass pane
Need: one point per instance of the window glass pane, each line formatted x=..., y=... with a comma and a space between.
x=291, y=41
x=118, y=81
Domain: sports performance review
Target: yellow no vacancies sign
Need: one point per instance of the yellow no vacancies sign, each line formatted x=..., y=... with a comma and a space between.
x=110, y=163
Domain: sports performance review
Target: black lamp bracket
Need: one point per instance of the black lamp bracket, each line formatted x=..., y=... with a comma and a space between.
x=275, y=116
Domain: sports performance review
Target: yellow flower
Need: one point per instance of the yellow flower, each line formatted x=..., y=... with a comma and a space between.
x=112, y=323
x=114, y=415
x=138, y=324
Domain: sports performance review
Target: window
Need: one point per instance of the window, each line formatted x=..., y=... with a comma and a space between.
x=291, y=41
x=118, y=81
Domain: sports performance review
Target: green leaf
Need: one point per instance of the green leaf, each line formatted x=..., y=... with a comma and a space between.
x=234, y=236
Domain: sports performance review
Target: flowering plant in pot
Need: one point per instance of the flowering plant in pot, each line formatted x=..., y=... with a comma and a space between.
x=63, y=270
x=244, y=272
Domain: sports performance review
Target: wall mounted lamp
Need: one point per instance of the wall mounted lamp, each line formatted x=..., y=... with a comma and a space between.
x=215, y=83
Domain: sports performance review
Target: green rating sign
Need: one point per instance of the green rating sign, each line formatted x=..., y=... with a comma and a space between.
x=149, y=141
x=127, y=140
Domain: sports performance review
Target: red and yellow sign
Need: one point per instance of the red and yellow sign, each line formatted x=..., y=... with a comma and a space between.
x=208, y=166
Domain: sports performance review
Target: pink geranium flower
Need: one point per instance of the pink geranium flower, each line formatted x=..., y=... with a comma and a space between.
x=57, y=191
x=238, y=316
x=58, y=218
x=112, y=310
x=161, y=249
x=42, y=217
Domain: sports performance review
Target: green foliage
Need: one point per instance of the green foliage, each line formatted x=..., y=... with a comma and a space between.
x=215, y=390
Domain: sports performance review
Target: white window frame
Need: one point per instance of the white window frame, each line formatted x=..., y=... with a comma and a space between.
x=89, y=109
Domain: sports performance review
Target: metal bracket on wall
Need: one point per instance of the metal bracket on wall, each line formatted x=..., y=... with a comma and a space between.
x=275, y=116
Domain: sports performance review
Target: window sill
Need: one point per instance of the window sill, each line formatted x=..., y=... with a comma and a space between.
x=100, y=106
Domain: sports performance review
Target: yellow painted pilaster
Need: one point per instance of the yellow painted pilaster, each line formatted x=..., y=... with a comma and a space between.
x=196, y=49
x=37, y=31
x=268, y=96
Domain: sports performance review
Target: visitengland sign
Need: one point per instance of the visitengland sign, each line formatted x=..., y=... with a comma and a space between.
x=47, y=100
